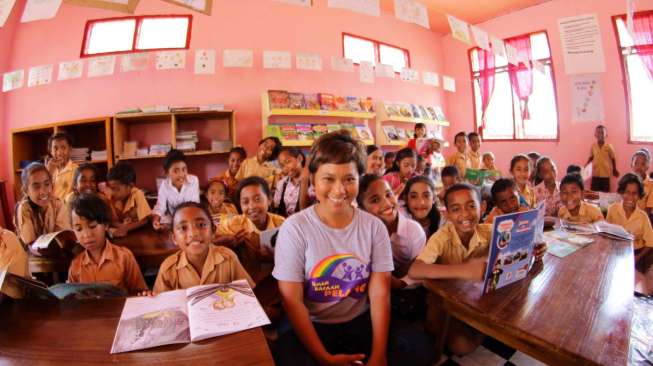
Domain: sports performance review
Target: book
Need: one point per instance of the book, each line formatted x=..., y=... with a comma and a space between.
x=392, y=110
x=562, y=244
x=390, y=133
x=354, y=104
x=129, y=149
x=401, y=133
x=327, y=102
x=160, y=149
x=425, y=113
x=410, y=133
x=602, y=228
x=273, y=131
x=439, y=114
x=367, y=104
x=289, y=132
x=478, y=177
x=404, y=110
x=333, y=127
x=511, y=248
x=304, y=131
x=432, y=113
x=221, y=145
x=190, y=315
x=364, y=133
x=156, y=109
x=179, y=109
x=422, y=145
x=278, y=99
x=52, y=244
x=416, y=111
x=296, y=100
x=319, y=130
x=340, y=103
x=311, y=101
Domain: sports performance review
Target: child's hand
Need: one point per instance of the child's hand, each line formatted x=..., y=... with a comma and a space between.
x=540, y=251
x=474, y=269
x=119, y=232
x=148, y=293
x=615, y=172
x=51, y=164
x=345, y=360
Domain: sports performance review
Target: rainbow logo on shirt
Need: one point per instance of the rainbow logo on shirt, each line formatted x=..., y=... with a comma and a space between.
x=337, y=277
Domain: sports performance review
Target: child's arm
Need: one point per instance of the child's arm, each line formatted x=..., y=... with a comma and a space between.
x=471, y=270
x=397, y=283
x=615, y=172
x=379, y=293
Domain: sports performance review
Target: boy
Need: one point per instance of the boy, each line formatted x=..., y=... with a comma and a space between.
x=236, y=156
x=128, y=202
x=59, y=164
x=262, y=165
x=505, y=198
x=474, y=154
x=450, y=176
x=604, y=162
x=460, y=159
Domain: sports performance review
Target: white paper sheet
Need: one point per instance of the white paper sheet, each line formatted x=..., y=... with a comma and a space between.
x=205, y=62
x=101, y=66
x=459, y=29
x=308, y=61
x=412, y=12
x=5, y=10
x=448, y=83
x=166, y=60
x=587, y=98
x=306, y=3
x=367, y=7
x=70, y=70
x=582, y=45
x=481, y=38
x=430, y=78
x=498, y=47
x=342, y=64
x=197, y=5
x=366, y=70
x=39, y=75
x=238, y=58
x=13, y=80
x=384, y=71
x=134, y=62
x=409, y=75
x=40, y=10
x=277, y=60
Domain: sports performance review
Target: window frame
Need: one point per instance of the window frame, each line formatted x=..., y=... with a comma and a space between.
x=137, y=28
x=377, y=53
x=549, y=62
x=625, y=81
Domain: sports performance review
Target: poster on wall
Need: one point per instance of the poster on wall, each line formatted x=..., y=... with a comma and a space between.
x=306, y=3
x=498, y=47
x=367, y=7
x=70, y=70
x=448, y=83
x=204, y=62
x=5, y=10
x=587, y=98
x=101, y=66
x=134, y=62
x=13, y=80
x=202, y=6
x=40, y=10
x=459, y=29
x=238, y=58
x=277, y=60
x=169, y=60
x=411, y=11
x=384, y=71
x=481, y=37
x=409, y=75
x=39, y=75
x=582, y=46
x=366, y=70
x=430, y=78
x=308, y=61
x=342, y=64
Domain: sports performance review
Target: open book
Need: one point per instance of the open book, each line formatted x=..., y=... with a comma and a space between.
x=189, y=315
x=51, y=244
x=602, y=228
x=562, y=243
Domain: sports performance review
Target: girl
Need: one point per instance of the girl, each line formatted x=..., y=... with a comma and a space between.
x=420, y=133
x=374, y=163
x=573, y=208
x=177, y=188
x=216, y=192
x=546, y=185
x=39, y=211
x=403, y=168
x=59, y=164
x=332, y=243
x=262, y=165
x=639, y=164
x=420, y=198
x=84, y=181
x=287, y=192
x=520, y=168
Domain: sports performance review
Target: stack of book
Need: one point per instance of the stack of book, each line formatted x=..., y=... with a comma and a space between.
x=79, y=154
x=97, y=155
x=160, y=149
x=187, y=140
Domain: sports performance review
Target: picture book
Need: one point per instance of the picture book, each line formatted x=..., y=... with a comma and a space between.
x=51, y=244
x=311, y=101
x=603, y=228
x=364, y=132
x=367, y=104
x=401, y=133
x=273, y=131
x=289, y=132
x=422, y=146
x=327, y=102
x=278, y=99
x=305, y=131
x=340, y=103
x=390, y=133
x=432, y=113
x=416, y=111
x=189, y=315
x=478, y=177
x=511, y=249
x=562, y=244
x=425, y=113
x=404, y=110
x=354, y=104
x=296, y=100
x=319, y=130
x=392, y=110
x=410, y=133
x=439, y=114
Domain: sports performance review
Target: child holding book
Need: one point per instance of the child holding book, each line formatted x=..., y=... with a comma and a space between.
x=474, y=153
x=287, y=192
x=59, y=165
x=639, y=164
x=420, y=198
x=216, y=193
x=419, y=132
x=547, y=187
x=333, y=242
x=261, y=164
x=459, y=159
x=520, y=169
x=13, y=257
x=488, y=161
x=197, y=262
x=178, y=187
x=603, y=161
x=402, y=170
x=505, y=199
x=130, y=208
x=236, y=157
x=374, y=163
x=101, y=261
x=574, y=208
x=39, y=211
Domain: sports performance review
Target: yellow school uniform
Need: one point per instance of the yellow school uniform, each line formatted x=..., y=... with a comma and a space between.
x=251, y=167
x=587, y=214
x=474, y=158
x=229, y=180
x=528, y=194
x=646, y=201
x=14, y=257
x=134, y=209
x=460, y=161
x=445, y=247
x=63, y=179
x=33, y=222
x=226, y=210
x=637, y=224
x=602, y=160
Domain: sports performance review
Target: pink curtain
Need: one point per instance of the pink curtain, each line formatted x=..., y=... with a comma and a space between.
x=486, y=80
x=643, y=39
x=521, y=76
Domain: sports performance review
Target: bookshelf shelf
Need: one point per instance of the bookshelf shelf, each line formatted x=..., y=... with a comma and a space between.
x=321, y=113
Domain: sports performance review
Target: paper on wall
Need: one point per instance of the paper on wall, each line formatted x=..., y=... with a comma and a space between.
x=39, y=75
x=13, y=80
x=238, y=58
x=306, y=3
x=409, y=75
x=5, y=10
x=582, y=46
x=308, y=61
x=459, y=29
x=412, y=12
x=134, y=62
x=40, y=10
x=366, y=70
x=101, y=66
x=205, y=62
x=202, y=6
x=277, y=60
x=587, y=98
x=384, y=71
x=70, y=70
x=448, y=83
x=166, y=60
x=498, y=47
x=481, y=38
x=368, y=7
x=430, y=78
x=342, y=64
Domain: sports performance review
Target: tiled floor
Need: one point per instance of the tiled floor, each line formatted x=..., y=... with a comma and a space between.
x=491, y=353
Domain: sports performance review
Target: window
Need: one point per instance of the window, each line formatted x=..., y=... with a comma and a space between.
x=360, y=49
x=131, y=34
x=637, y=78
x=503, y=116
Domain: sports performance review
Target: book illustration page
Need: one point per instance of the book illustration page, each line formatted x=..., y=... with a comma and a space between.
x=220, y=309
x=148, y=322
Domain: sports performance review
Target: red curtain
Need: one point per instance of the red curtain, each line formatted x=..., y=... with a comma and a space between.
x=643, y=39
x=486, y=80
x=521, y=76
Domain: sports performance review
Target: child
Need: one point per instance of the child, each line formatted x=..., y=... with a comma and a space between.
x=574, y=169
x=13, y=257
x=197, y=262
x=460, y=159
x=59, y=165
x=330, y=243
x=402, y=170
x=389, y=160
x=573, y=208
x=101, y=261
x=547, y=187
x=177, y=188
x=374, y=163
x=261, y=164
x=450, y=176
x=39, y=211
x=420, y=197
x=216, y=192
x=420, y=133
x=505, y=198
x=287, y=192
x=640, y=164
x=520, y=168
x=420, y=167
x=130, y=208
x=236, y=156
x=84, y=181
x=534, y=156
x=474, y=154
x=603, y=161
x=488, y=161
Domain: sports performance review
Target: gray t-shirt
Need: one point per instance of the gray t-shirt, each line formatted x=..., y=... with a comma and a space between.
x=333, y=264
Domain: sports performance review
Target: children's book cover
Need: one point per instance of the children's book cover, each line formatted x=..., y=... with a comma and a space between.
x=278, y=99
x=305, y=131
x=296, y=100
x=327, y=102
x=311, y=101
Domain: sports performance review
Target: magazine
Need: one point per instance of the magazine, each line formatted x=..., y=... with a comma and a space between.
x=562, y=244
x=603, y=228
x=390, y=132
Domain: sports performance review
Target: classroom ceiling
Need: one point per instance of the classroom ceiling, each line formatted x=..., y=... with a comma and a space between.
x=471, y=11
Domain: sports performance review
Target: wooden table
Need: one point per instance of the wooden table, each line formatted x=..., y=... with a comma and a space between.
x=81, y=332
x=568, y=311
x=149, y=247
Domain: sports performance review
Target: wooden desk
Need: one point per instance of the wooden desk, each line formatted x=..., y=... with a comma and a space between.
x=81, y=332
x=572, y=310
x=149, y=247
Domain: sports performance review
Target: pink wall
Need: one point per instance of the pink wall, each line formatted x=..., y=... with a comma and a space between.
x=575, y=139
x=254, y=24
x=6, y=44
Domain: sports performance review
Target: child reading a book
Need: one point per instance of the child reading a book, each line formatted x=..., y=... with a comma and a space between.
x=374, y=163
x=505, y=198
x=459, y=159
x=13, y=257
x=197, y=262
x=329, y=244
x=59, y=165
x=547, y=187
x=261, y=164
x=420, y=198
x=639, y=164
x=84, y=181
x=236, y=157
x=216, y=192
x=603, y=161
x=39, y=211
x=574, y=208
x=474, y=152
x=287, y=192
x=402, y=170
x=101, y=261
x=130, y=208
x=178, y=187
x=520, y=169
